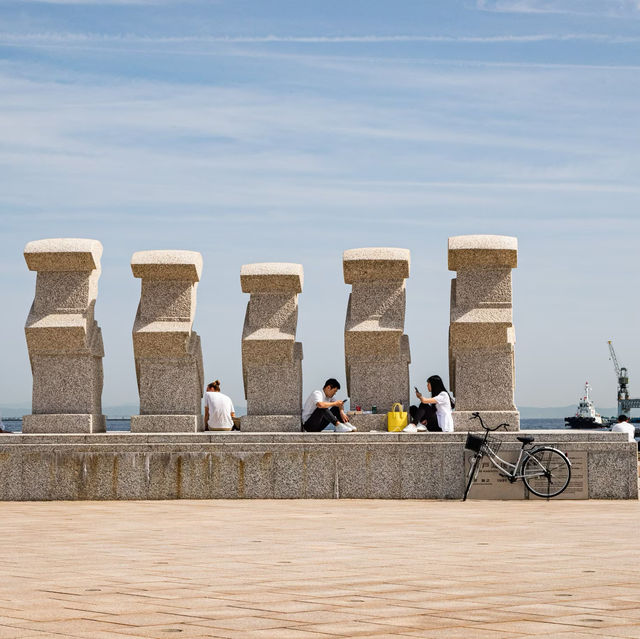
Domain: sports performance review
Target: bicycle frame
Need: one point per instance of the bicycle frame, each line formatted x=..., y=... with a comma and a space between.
x=509, y=470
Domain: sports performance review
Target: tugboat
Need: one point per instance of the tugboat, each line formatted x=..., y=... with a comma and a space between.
x=586, y=416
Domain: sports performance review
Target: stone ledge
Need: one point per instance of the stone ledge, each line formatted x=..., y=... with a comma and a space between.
x=166, y=423
x=277, y=466
x=375, y=264
x=116, y=437
x=167, y=265
x=271, y=423
x=482, y=251
x=64, y=423
x=272, y=277
x=63, y=254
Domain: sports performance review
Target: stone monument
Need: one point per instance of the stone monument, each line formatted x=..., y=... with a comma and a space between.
x=167, y=350
x=271, y=357
x=481, y=334
x=376, y=348
x=63, y=338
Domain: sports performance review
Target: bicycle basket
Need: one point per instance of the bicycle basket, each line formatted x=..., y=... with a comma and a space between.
x=473, y=443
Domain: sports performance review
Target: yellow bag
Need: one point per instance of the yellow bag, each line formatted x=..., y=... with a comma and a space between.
x=396, y=419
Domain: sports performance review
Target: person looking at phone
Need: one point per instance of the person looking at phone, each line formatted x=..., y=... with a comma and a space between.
x=321, y=413
x=433, y=413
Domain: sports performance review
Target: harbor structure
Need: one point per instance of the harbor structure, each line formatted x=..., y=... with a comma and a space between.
x=625, y=403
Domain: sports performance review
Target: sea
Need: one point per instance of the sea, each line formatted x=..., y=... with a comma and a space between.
x=124, y=425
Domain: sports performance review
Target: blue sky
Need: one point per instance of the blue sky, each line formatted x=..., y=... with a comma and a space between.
x=289, y=131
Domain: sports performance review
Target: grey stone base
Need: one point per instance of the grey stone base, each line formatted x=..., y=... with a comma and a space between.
x=167, y=423
x=366, y=423
x=491, y=418
x=65, y=423
x=240, y=465
x=271, y=423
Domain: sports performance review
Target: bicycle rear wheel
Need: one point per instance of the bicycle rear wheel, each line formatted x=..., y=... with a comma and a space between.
x=546, y=472
x=473, y=473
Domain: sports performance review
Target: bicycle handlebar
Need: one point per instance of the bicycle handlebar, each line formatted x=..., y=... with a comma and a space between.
x=487, y=428
x=495, y=427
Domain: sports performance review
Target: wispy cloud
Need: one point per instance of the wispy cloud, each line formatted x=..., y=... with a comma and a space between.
x=117, y=144
x=97, y=39
x=602, y=8
x=104, y=2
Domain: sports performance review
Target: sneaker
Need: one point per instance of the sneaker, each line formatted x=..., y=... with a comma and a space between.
x=329, y=429
x=350, y=426
x=342, y=428
x=411, y=428
x=421, y=428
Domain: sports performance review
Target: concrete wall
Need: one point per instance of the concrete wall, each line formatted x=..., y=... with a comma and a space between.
x=285, y=466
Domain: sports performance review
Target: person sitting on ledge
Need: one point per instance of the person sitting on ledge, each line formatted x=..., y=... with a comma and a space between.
x=320, y=413
x=434, y=413
x=625, y=426
x=218, y=408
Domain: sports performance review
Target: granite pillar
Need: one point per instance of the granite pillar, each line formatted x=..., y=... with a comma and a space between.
x=271, y=357
x=167, y=350
x=481, y=334
x=63, y=338
x=376, y=349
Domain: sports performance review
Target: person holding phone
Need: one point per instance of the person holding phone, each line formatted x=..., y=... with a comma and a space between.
x=433, y=413
x=321, y=413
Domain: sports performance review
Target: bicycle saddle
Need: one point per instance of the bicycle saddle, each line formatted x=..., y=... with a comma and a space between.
x=525, y=440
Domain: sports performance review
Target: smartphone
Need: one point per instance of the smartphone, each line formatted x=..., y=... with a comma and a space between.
x=417, y=391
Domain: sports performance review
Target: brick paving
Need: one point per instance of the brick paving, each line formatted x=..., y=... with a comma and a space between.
x=320, y=569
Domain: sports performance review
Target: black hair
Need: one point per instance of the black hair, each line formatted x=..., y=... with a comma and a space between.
x=622, y=418
x=214, y=385
x=437, y=387
x=333, y=383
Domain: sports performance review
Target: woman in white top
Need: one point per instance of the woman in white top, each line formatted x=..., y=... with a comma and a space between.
x=440, y=402
x=218, y=409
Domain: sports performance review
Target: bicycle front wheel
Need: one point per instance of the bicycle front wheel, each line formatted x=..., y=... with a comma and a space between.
x=473, y=473
x=546, y=472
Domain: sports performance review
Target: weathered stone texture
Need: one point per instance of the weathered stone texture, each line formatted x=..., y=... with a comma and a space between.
x=376, y=349
x=236, y=465
x=167, y=350
x=271, y=357
x=481, y=334
x=63, y=338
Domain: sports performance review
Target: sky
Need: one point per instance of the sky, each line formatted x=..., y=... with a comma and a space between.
x=288, y=130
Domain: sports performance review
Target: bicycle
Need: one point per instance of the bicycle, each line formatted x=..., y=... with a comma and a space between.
x=545, y=470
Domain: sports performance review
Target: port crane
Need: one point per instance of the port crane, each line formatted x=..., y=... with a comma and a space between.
x=625, y=403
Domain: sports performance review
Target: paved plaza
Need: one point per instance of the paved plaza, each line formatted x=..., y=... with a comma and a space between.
x=320, y=569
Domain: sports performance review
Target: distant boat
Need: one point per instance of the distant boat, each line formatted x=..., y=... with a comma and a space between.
x=586, y=416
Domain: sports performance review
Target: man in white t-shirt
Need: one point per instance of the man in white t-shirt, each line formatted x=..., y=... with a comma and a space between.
x=321, y=413
x=218, y=409
x=625, y=426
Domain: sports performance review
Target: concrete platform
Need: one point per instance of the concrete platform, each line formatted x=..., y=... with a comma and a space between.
x=240, y=465
x=320, y=570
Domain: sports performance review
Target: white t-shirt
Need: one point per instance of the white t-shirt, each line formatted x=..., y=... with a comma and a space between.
x=311, y=404
x=220, y=409
x=443, y=411
x=625, y=427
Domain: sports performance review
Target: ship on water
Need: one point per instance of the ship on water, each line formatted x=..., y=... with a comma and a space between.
x=586, y=416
